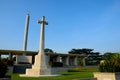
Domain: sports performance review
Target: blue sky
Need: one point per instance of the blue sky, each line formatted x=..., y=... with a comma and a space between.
x=91, y=24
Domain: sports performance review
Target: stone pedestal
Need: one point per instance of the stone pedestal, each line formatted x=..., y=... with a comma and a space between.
x=40, y=67
x=38, y=72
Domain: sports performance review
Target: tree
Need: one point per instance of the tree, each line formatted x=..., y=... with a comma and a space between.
x=107, y=55
x=75, y=51
x=90, y=57
x=111, y=63
x=84, y=51
x=47, y=50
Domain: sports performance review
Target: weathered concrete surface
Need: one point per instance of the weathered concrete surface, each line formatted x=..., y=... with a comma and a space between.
x=107, y=76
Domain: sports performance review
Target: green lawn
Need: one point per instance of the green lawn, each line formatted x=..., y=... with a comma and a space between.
x=83, y=73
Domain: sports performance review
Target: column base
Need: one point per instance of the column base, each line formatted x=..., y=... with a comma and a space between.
x=37, y=72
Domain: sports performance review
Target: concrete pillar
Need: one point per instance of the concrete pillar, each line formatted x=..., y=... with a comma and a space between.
x=71, y=61
x=76, y=61
x=58, y=59
x=16, y=62
x=67, y=61
x=63, y=60
x=10, y=56
x=84, y=63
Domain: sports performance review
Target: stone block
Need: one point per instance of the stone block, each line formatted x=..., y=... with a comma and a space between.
x=36, y=72
x=107, y=76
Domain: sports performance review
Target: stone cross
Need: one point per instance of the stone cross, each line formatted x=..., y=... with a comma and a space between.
x=40, y=66
x=42, y=22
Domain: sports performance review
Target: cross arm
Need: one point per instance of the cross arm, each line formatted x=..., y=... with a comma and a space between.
x=44, y=22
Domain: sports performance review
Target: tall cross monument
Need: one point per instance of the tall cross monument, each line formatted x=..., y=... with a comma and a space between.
x=40, y=66
x=23, y=58
x=41, y=58
x=43, y=23
x=26, y=32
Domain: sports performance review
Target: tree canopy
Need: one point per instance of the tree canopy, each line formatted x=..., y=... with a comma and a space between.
x=89, y=55
x=47, y=50
x=87, y=52
x=81, y=51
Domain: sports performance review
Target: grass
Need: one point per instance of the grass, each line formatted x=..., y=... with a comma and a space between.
x=83, y=73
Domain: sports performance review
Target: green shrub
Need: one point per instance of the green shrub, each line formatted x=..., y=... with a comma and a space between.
x=3, y=69
x=111, y=63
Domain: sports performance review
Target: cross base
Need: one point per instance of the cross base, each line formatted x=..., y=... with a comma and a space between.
x=37, y=72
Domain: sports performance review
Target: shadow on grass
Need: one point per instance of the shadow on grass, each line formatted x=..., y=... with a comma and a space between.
x=66, y=74
x=7, y=77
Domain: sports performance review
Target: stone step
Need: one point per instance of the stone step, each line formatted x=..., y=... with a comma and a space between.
x=86, y=79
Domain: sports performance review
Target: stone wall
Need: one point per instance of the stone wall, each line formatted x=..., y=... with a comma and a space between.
x=107, y=76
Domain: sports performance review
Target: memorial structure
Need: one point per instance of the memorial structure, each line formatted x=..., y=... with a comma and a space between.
x=24, y=58
x=42, y=61
x=40, y=66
